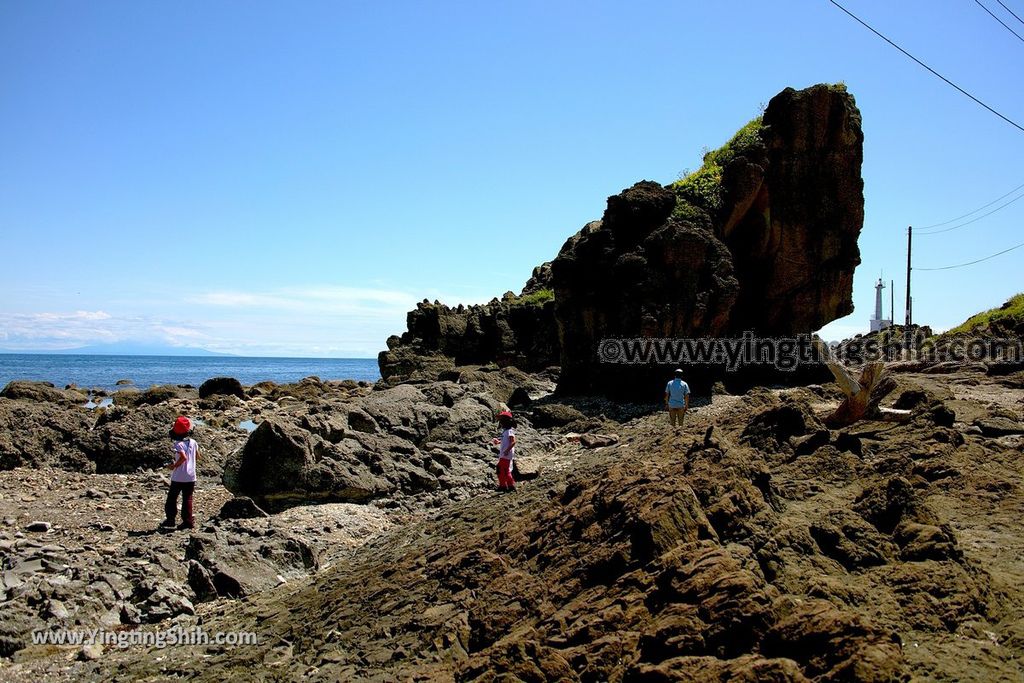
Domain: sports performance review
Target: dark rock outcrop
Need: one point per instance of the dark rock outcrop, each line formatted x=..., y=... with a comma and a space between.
x=226, y=386
x=515, y=330
x=762, y=239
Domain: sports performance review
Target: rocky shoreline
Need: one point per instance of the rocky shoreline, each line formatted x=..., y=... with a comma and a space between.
x=754, y=543
x=356, y=531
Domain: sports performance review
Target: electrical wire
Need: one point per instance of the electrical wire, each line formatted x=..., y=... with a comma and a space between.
x=1010, y=11
x=933, y=71
x=971, y=263
x=953, y=220
x=973, y=220
x=978, y=3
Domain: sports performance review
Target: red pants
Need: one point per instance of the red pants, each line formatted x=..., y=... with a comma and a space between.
x=505, y=480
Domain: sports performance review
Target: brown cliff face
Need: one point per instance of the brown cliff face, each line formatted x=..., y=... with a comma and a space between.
x=763, y=238
x=797, y=212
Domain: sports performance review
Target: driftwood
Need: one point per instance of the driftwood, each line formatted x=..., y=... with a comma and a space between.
x=858, y=392
x=858, y=405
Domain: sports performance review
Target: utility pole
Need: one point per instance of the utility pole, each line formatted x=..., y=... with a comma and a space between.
x=892, y=320
x=906, y=331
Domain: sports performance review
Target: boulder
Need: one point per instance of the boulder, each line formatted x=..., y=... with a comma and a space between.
x=236, y=568
x=281, y=462
x=221, y=386
x=240, y=507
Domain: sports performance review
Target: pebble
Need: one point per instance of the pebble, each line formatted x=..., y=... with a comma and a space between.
x=57, y=609
x=40, y=527
x=90, y=652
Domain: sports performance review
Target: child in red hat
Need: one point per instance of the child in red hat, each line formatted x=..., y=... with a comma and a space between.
x=183, y=475
x=506, y=451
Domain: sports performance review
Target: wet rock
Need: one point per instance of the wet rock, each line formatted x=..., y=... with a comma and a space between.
x=999, y=426
x=221, y=386
x=239, y=569
x=240, y=507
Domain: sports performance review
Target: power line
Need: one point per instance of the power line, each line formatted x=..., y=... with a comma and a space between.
x=974, y=220
x=971, y=263
x=870, y=28
x=978, y=2
x=953, y=220
x=1010, y=11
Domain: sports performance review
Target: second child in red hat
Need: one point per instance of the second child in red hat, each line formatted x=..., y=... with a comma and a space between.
x=506, y=451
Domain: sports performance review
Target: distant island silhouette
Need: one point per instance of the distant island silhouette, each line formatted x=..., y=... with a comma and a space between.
x=131, y=349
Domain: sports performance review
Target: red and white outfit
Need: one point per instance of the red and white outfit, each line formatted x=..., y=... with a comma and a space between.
x=183, y=482
x=506, y=454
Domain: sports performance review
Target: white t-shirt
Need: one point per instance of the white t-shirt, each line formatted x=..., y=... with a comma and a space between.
x=507, y=451
x=186, y=471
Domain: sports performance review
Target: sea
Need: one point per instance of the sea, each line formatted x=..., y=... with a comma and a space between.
x=104, y=372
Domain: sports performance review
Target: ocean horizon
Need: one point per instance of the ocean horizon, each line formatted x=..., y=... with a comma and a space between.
x=103, y=372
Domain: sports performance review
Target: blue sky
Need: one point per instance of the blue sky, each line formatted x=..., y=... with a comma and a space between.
x=289, y=178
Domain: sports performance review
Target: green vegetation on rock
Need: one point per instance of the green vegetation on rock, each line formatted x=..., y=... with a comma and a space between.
x=538, y=298
x=703, y=187
x=1011, y=312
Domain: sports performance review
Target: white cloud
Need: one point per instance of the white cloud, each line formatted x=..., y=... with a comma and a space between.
x=323, y=300
x=327, y=300
x=52, y=331
x=293, y=321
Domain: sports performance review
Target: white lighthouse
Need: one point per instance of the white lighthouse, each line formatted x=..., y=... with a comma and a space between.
x=877, y=321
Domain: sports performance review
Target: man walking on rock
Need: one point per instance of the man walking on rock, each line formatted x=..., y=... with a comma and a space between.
x=677, y=399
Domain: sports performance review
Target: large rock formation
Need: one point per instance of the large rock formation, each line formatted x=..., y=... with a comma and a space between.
x=515, y=330
x=763, y=238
